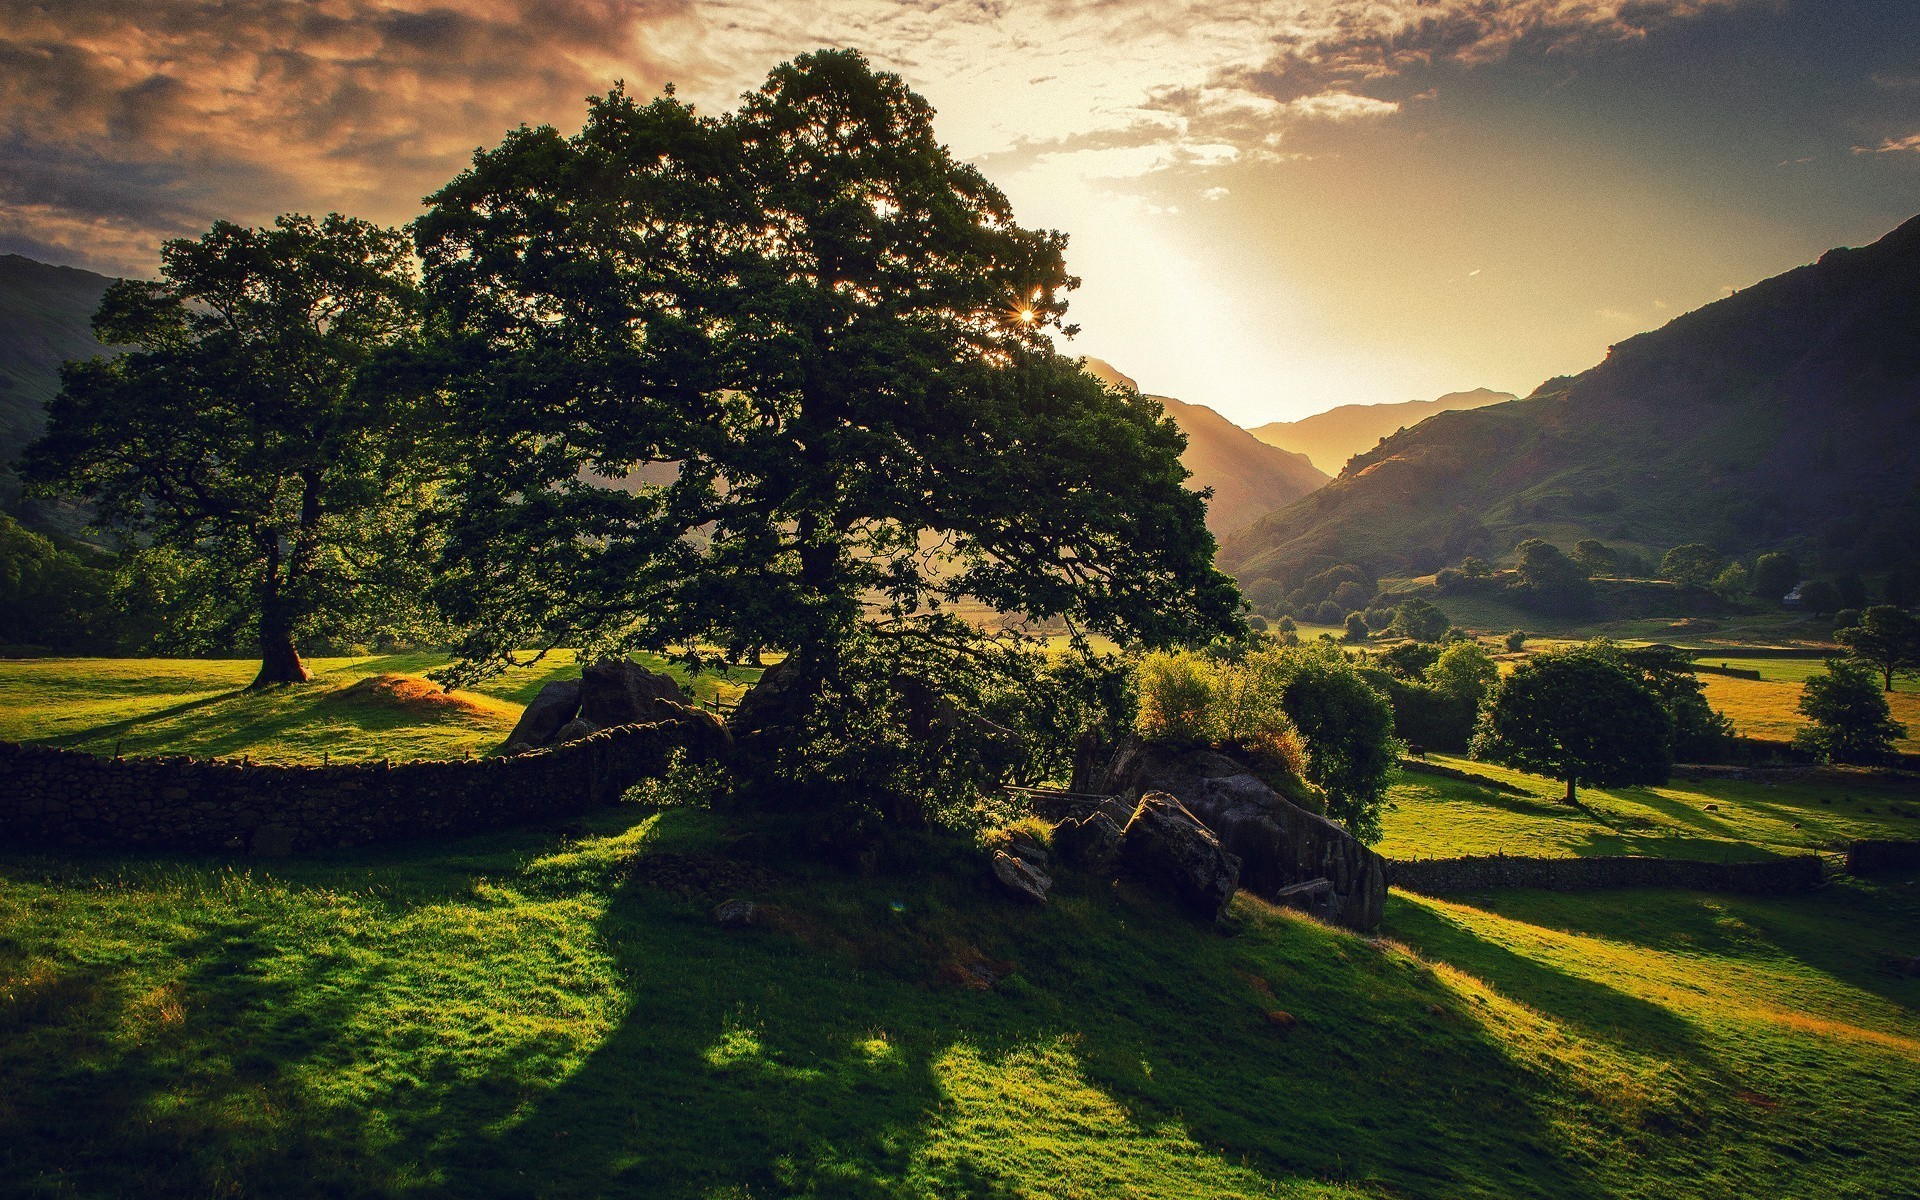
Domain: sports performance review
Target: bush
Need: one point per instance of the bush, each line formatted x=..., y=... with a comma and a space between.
x=1347, y=726
x=1517, y=641
x=1356, y=627
x=1176, y=690
x=1851, y=720
x=1449, y=580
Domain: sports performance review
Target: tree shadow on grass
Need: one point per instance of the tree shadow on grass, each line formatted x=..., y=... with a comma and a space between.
x=834, y=1055
x=121, y=728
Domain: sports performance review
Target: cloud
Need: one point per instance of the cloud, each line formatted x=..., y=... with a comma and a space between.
x=130, y=120
x=1893, y=145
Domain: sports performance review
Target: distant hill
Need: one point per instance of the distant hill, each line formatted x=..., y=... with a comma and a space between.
x=46, y=317
x=1249, y=478
x=1785, y=415
x=1331, y=438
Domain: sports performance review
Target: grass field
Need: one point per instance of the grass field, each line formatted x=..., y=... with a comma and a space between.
x=1437, y=817
x=1769, y=708
x=201, y=707
x=535, y=1014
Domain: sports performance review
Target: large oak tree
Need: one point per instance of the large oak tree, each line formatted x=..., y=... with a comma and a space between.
x=236, y=433
x=783, y=378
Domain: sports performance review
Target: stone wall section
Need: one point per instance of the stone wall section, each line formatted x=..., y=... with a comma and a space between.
x=1455, y=876
x=68, y=798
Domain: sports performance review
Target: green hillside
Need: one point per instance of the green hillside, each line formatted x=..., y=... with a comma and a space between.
x=1332, y=437
x=46, y=317
x=1780, y=417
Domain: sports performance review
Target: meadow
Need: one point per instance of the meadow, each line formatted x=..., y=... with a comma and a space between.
x=553, y=1012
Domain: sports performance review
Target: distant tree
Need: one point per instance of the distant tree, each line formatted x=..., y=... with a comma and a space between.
x=1580, y=717
x=1257, y=623
x=1516, y=641
x=1694, y=564
x=1352, y=596
x=1475, y=568
x=1851, y=722
x=1846, y=618
x=238, y=433
x=1885, y=638
x=1551, y=582
x=1774, y=575
x=51, y=597
x=1286, y=625
x=1449, y=579
x=1421, y=620
x=1734, y=583
x=1410, y=660
x=1597, y=557
x=1328, y=613
x=1851, y=590
x=1819, y=596
x=835, y=341
x=1699, y=733
x=1356, y=627
x=1464, y=672
x=1347, y=726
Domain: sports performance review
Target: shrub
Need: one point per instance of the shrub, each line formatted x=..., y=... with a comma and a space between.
x=1347, y=727
x=1517, y=641
x=1176, y=690
x=1356, y=627
x=1449, y=579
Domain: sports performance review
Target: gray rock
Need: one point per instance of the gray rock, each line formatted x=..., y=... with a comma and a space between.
x=549, y=711
x=1167, y=848
x=619, y=691
x=735, y=913
x=1091, y=843
x=1021, y=877
x=574, y=730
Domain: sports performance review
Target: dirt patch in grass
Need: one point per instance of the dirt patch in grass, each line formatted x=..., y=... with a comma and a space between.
x=409, y=694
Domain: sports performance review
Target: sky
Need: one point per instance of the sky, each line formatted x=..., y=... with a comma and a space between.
x=1275, y=206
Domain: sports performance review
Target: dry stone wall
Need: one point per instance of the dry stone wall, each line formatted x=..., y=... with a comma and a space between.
x=67, y=798
x=1454, y=876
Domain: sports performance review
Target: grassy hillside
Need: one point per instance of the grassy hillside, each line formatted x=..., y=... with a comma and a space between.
x=1332, y=437
x=1778, y=416
x=1249, y=478
x=355, y=708
x=1500, y=811
x=554, y=1014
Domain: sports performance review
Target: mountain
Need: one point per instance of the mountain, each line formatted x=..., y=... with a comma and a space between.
x=1782, y=416
x=46, y=317
x=1249, y=478
x=1332, y=437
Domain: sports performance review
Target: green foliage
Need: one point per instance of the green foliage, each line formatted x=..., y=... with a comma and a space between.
x=1176, y=689
x=1410, y=660
x=1734, y=583
x=828, y=343
x=1347, y=727
x=1596, y=557
x=1819, y=596
x=1465, y=672
x=1475, y=568
x=1851, y=722
x=1699, y=733
x=1579, y=716
x=237, y=432
x=1516, y=641
x=50, y=597
x=1421, y=620
x=1774, y=575
x=1885, y=638
x=1357, y=627
x=1694, y=564
x=1550, y=582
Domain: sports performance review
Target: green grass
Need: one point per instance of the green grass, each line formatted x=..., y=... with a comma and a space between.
x=524, y=1015
x=1438, y=817
x=200, y=707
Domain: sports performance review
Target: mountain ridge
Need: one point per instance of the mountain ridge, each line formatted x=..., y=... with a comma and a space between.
x=1330, y=438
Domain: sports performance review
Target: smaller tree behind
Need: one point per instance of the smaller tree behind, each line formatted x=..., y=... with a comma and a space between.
x=1885, y=638
x=1693, y=565
x=1577, y=716
x=235, y=432
x=1774, y=576
x=1851, y=720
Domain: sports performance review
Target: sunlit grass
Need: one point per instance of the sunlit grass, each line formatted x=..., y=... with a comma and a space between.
x=1769, y=708
x=521, y=1015
x=1437, y=817
x=201, y=707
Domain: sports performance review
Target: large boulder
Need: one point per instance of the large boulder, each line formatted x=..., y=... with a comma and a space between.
x=556, y=705
x=1166, y=847
x=1090, y=842
x=1281, y=845
x=619, y=691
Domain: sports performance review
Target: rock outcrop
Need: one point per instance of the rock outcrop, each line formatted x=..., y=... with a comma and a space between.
x=1168, y=848
x=557, y=704
x=1280, y=845
x=609, y=694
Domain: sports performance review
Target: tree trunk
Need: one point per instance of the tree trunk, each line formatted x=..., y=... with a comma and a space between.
x=279, y=659
x=1571, y=782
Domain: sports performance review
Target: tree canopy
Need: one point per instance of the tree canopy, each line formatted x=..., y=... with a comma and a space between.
x=1578, y=716
x=1887, y=639
x=234, y=434
x=1851, y=721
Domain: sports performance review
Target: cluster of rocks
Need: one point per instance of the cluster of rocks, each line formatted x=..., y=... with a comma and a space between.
x=1197, y=825
x=610, y=693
